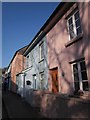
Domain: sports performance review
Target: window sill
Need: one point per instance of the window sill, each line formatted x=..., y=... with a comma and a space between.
x=41, y=60
x=28, y=67
x=74, y=40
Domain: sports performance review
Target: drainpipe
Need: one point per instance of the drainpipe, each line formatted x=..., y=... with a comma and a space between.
x=24, y=84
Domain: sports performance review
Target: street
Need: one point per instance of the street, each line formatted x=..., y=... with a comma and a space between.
x=4, y=112
x=16, y=107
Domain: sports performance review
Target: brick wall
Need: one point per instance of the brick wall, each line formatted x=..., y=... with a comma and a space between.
x=17, y=65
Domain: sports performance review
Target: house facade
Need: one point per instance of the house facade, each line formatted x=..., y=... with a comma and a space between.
x=58, y=59
x=35, y=75
x=68, y=49
x=16, y=65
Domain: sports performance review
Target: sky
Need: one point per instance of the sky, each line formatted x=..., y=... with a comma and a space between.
x=20, y=23
x=0, y=35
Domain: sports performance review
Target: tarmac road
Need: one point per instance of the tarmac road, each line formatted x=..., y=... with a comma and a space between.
x=4, y=112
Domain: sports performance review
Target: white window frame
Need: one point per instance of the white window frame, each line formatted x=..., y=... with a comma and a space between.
x=79, y=75
x=74, y=26
x=40, y=50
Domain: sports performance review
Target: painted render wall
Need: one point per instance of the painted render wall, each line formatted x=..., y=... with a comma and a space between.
x=35, y=67
x=60, y=55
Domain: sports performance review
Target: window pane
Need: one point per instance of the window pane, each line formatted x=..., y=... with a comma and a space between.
x=71, y=28
x=78, y=30
x=42, y=75
x=82, y=65
x=85, y=86
x=72, y=35
x=77, y=15
x=77, y=87
x=71, y=31
x=75, y=68
x=76, y=77
x=84, y=75
x=42, y=80
x=77, y=23
x=70, y=21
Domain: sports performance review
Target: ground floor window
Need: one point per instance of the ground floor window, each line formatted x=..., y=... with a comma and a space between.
x=34, y=81
x=42, y=80
x=80, y=76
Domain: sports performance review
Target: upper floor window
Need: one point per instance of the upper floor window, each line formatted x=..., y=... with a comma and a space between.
x=41, y=51
x=80, y=76
x=74, y=26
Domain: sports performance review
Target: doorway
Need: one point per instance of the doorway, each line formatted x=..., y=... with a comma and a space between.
x=54, y=77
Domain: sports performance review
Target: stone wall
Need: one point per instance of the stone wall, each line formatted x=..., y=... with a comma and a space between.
x=59, y=106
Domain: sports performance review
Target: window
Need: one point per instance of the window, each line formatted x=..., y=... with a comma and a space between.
x=34, y=82
x=42, y=80
x=74, y=26
x=80, y=76
x=41, y=51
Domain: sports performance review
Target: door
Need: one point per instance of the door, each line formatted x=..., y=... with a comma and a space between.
x=54, y=77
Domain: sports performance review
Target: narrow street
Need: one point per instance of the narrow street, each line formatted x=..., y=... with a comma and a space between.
x=14, y=106
x=4, y=111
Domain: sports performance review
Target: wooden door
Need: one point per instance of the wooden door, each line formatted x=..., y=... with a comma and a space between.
x=54, y=77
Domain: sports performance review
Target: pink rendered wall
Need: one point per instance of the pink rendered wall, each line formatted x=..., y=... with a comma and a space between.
x=60, y=55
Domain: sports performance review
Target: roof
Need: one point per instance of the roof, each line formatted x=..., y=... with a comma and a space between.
x=21, y=51
x=42, y=32
x=42, y=28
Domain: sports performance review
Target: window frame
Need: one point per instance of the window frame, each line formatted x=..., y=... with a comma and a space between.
x=40, y=51
x=74, y=25
x=79, y=75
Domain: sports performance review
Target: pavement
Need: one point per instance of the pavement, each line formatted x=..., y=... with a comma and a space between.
x=17, y=107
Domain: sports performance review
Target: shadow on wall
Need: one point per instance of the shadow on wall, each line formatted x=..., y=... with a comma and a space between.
x=9, y=86
x=58, y=106
x=79, y=51
x=54, y=105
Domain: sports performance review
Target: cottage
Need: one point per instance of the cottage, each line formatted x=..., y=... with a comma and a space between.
x=57, y=59
x=16, y=65
x=35, y=75
x=68, y=46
